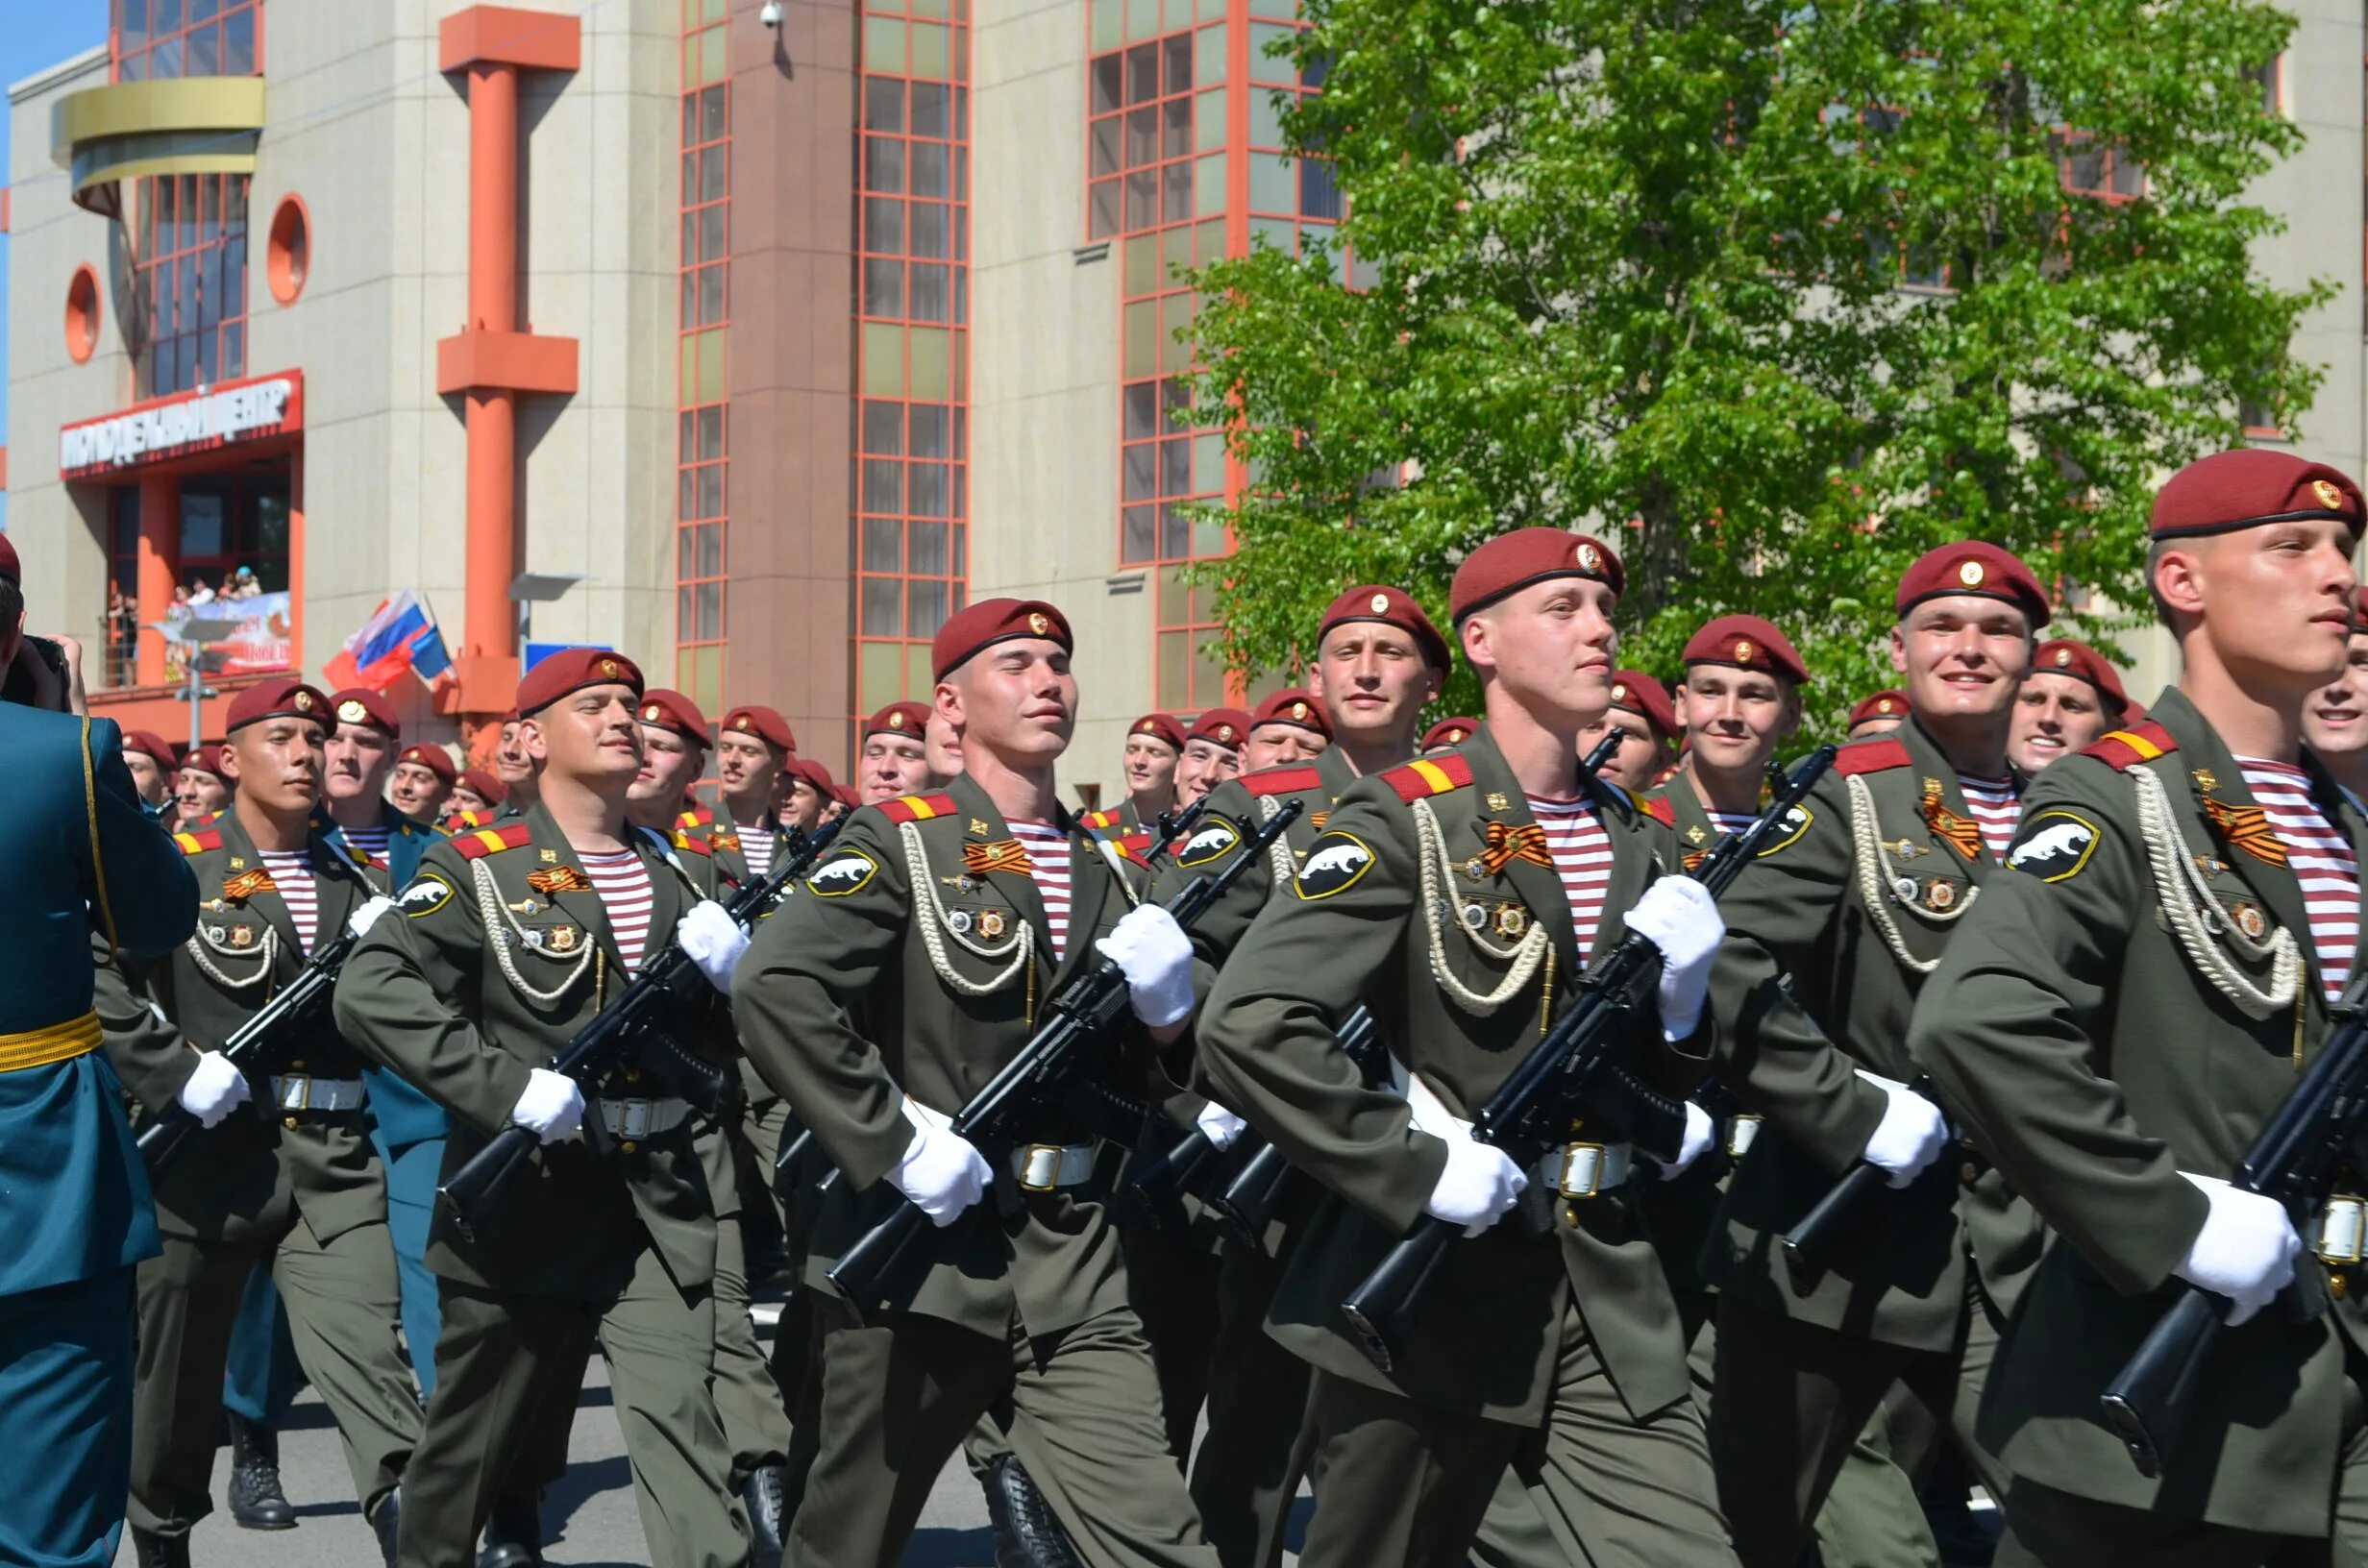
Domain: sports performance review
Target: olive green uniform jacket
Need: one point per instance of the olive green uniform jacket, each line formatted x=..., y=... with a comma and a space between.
x=2075, y=1030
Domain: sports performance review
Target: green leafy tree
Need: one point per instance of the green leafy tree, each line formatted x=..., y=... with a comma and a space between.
x=1773, y=296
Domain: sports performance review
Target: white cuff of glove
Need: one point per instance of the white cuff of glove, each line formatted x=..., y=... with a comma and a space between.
x=214, y=1088
x=1911, y=1134
x=941, y=1172
x=1680, y=917
x=714, y=941
x=367, y=915
x=1699, y=1130
x=2245, y=1251
x=551, y=1106
x=1219, y=1125
x=1157, y=958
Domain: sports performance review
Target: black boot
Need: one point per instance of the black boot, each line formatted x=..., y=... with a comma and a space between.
x=387, y=1520
x=514, y=1534
x=160, y=1551
x=766, y=1492
x=1026, y=1534
x=257, y=1502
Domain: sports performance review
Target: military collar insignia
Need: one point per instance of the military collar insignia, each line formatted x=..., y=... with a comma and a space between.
x=978, y=827
x=1496, y=802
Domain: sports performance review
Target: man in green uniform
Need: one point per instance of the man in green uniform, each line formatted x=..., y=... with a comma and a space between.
x=1459, y=899
x=1448, y=734
x=150, y=763
x=1212, y=752
x=1378, y=662
x=915, y=963
x=1154, y=749
x=1877, y=712
x=2124, y=1012
x=201, y=792
x=1646, y=721
x=1829, y=941
x=1288, y=727
x=892, y=757
x=422, y=781
x=2335, y=719
x=509, y=941
x=2072, y=695
x=299, y=1190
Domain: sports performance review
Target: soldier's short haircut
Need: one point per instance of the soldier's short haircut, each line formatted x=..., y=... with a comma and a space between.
x=2154, y=553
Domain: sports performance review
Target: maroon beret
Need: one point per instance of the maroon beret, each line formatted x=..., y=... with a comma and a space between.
x=277, y=699
x=1449, y=732
x=1512, y=561
x=150, y=744
x=1972, y=567
x=360, y=706
x=899, y=719
x=816, y=775
x=2062, y=656
x=845, y=794
x=10, y=567
x=1391, y=607
x=484, y=785
x=1639, y=693
x=664, y=709
x=2245, y=488
x=1890, y=703
x=1293, y=705
x=1160, y=726
x=2359, y=610
x=993, y=621
x=1222, y=727
x=571, y=670
x=434, y=758
x=765, y=723
x=1747, y=643
x=205, y=759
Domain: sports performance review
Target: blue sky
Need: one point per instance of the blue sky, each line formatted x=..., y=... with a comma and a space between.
x=39, y=33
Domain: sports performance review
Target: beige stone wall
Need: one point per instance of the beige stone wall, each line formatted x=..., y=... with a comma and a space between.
x=1045, y=372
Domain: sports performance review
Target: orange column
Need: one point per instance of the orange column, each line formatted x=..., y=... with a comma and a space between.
x=159, y=568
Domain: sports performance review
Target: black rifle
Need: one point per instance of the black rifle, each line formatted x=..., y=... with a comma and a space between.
x=633, y=1024
x=1080, y=1012
x=1852, y=1190
x=162, y=1139
x=1573, y=1070
x=1189, y=1164
x=1164, y=833
x=2295, y=1160
x=1244, y=1207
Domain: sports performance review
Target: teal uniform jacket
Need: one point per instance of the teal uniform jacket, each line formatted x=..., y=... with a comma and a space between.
x=74, y=1199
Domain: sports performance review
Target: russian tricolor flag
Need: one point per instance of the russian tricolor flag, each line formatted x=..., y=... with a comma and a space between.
x=400, y=635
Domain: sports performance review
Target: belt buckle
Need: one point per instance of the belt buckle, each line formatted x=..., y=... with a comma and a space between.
x=2343, y=1231
x=296, y=1091
x=1044, y=1158
x=1582, y=1174
x=1742, y=1128
x=633, y=1118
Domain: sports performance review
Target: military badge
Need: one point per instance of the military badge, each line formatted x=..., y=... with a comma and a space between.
x=426, y=894
x=2053, y=845
x=1498, y=801
x=242, y=935
x=1380, y=603
x=1971, y=574
x=351, y=712
x=1905, y=889
x=2250, y=920
x=958, y=921
x=1511, y=922
x=558, y=879
x=217, y=934
x=1475, y=917
x=1789, y=832
x=846, y=872
x=2330, y=494
x=1335, y=863
x=1940, y=895
x=563, y=939
x=992, y=925
x=1213, y=840
x=1037, y=624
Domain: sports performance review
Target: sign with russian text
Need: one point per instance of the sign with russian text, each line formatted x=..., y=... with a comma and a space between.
x=260, y=408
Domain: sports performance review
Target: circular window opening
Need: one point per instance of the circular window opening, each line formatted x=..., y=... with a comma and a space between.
x=289, y=256
x=82, y=314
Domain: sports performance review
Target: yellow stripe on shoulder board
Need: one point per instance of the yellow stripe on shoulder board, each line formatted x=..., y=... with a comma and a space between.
x=491, y=838
x=2139, y=743
x=1432, y=774
x=921, y=806
x=187, y=842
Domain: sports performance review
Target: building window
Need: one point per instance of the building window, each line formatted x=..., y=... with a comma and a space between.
x=232, y=523
x=2098, y=170
x=159, y=41
x=703, y=440
x=189, y=282
x=911, y=289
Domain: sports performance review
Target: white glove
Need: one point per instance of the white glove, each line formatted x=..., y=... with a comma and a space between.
x=1911, y=1134
x=1699, y=1131
x=1480, y=1183
x=367, y=915
x=714, y=941
x=551, y=1106
x=2245, y=1251
x=1157, y=957
x=1219, y=1125
x=215, y=1088
x=941, y=1171
x=1682, y=919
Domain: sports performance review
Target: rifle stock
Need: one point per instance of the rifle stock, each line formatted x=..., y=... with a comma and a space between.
x=475, y=1192
x=1567, y=1067
x=1856, y=1187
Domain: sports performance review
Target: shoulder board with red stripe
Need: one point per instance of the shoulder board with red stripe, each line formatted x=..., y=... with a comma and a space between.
x=1098, y=821
x=464, y=822
x=918, y=808
x=695, y=842
x=1659, y=809
x=1876, y=756
x=492, y=841
x=2123, y=750
x=1136, y=846
x=197, y=844
x=1289, y=779
x=696, y=817
x=1428, y=776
